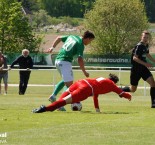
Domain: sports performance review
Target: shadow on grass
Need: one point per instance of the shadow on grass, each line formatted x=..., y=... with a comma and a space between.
x=88, y=112
x=109, y=112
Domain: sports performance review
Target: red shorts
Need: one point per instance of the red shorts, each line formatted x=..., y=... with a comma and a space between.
x=80, y=91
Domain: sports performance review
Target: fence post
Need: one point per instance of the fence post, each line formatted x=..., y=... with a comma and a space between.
x=119, y=75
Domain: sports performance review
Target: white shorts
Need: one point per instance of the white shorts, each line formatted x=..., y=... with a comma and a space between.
x=65, y=70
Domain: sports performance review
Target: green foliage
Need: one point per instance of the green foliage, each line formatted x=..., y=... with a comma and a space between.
x=75, y=8
x=41, y=18
x=71, y=21
x=30, y=5
x=117, y=25
x=72, y=8
x=15, y=31
x=150, y=9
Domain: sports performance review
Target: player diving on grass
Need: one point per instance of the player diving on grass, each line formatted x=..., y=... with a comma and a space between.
x=82, y=89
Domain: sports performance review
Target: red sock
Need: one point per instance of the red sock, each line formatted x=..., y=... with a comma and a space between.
x=56, y=105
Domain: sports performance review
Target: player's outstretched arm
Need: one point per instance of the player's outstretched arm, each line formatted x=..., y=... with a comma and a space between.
x=96, y=103
x=126, y=95
x=82, y=67
x=121, y=93
x=55, y=43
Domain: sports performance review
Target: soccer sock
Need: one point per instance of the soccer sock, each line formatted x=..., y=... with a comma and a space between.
x=56, y=105
x=58, y=88
x=126, y=89
x=152, y=93
x=65, y=88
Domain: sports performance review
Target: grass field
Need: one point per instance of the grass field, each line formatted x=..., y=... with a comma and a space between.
x=121, y=121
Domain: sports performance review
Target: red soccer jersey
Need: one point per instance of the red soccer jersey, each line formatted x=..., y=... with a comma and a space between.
x=103, y=86
x=82, y=89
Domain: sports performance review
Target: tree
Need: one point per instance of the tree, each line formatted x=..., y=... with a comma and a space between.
x=150, y=9
x=30, y=5
x=15, y=31
x=117, y=25
x=41, y=18
x=72, y=8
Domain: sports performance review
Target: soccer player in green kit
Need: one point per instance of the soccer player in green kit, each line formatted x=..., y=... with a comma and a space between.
x=73, y=46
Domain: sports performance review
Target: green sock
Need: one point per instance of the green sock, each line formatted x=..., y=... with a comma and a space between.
x=58, y=87
x=65, y=88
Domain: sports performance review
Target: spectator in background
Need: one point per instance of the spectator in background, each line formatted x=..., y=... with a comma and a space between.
x=25, y=62
x=3, y=73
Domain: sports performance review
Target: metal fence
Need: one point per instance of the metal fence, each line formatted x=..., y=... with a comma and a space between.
x=96, y=71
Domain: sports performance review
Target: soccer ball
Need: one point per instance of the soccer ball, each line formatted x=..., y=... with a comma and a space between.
x=76, y=106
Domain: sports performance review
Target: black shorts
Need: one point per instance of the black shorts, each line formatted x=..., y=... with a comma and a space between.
x=137, y=73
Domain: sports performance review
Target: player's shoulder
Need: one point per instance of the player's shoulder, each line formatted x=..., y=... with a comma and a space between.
x=103, y=80
x=100, y=79
x=140, y=44
x=63, y=37
x=77, y=38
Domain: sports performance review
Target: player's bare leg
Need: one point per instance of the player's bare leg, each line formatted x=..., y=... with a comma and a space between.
x=151, y=81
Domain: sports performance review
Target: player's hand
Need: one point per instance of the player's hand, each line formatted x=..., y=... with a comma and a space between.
x=49, y=50
x=127, y=96
x=86, y=74
x=149, y=65
x=9, y=68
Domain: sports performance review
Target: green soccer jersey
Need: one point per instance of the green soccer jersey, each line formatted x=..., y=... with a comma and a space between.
x=72, y=46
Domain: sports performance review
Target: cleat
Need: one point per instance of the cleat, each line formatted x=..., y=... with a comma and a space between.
x=61, y=109
x=52, y=98
x=39, y=110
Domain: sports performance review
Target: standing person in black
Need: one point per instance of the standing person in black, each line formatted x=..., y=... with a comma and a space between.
x=25, y=62
x=140, y=67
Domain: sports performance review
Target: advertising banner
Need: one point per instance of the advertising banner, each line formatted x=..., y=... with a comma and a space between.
x=102, y=60
x=90, y=60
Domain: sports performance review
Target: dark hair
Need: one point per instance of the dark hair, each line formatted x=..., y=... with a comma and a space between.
x=88, y=34
x=114, y=78
x=146, y=32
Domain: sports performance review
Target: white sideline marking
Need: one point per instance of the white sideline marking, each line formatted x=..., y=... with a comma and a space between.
x=47, y=85
x=31, y=85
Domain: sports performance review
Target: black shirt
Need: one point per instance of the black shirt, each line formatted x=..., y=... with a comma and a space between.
x=140, y=50
x=24, y=62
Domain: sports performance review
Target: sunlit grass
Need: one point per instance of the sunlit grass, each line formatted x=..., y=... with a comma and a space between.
x=120, y=121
